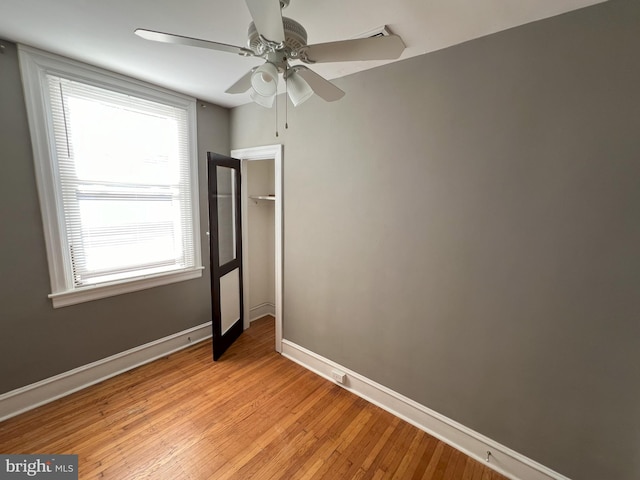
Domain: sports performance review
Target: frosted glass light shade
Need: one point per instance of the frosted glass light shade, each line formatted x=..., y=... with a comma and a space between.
x=299, y=89
x=265, y=79
x=265, y=101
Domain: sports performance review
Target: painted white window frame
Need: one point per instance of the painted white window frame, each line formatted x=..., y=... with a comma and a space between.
x=34, y=66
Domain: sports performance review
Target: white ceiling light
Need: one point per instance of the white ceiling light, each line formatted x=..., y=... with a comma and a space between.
x=263, y=100
x=298, y=89
x=265, y=79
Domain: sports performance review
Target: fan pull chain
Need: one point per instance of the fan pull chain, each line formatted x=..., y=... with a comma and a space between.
x=276, y=101
x=286, y=99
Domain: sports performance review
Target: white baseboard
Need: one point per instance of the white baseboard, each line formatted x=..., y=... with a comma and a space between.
x=31, y=396
x=261, y=310
x=503, y=460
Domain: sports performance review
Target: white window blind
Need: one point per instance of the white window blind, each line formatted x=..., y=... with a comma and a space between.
x=123, y=166
x=116, y=173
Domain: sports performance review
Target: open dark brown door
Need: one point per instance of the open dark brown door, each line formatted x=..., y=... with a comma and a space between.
x=225, y=244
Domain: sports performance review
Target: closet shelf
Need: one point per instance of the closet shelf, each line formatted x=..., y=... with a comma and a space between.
x=262, y=197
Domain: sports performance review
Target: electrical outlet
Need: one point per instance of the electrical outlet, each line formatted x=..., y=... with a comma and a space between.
x=338, y=376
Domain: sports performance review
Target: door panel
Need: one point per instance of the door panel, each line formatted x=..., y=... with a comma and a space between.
x=226, y=251
x=229, y=299
x=225, y=182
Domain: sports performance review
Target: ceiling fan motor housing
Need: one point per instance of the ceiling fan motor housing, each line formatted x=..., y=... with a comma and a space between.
x=295, y=37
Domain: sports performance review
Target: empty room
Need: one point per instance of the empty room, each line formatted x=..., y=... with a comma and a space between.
x=282, y=239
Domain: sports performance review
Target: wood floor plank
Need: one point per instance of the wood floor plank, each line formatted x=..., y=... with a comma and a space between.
x=413, y=454
x=452, y=464
x=460, y=466
x=253, y=414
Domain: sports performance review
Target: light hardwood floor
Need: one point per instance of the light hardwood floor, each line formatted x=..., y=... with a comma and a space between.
x=253, y=414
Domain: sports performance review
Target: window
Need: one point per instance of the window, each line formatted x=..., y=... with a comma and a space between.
x=117, y=176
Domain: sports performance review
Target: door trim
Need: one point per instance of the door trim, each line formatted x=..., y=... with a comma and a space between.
x=275, y=153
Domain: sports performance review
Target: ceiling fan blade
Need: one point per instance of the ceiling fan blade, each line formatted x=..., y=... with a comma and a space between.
x=374, y=48
x=267, y=18
x=192, y=42
x=320, y=85
x=243, y=84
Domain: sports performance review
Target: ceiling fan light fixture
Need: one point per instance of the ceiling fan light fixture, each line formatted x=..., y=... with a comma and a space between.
x=298, y=89
x=280, y=41
x=265, y=79
x=265, y=101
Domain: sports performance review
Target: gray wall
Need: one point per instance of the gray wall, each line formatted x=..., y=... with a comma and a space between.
x=463, y=228
x=37, y=341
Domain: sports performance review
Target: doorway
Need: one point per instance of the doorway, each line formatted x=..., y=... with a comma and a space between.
x=270, y=201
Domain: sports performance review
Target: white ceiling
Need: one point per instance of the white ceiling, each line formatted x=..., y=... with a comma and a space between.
x=100, y=32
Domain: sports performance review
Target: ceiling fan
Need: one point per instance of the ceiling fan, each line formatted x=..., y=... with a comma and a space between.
x=280, y=41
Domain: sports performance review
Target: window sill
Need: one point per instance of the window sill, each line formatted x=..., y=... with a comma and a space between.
x=87, y=294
